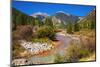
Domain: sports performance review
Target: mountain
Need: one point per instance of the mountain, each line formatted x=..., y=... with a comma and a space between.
x=89, y=21
x=91, y=17
x=58, y=17
x=62, y=17
x=39, y=15
x=20, y=18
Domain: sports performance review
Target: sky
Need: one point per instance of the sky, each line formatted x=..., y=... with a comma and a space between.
x=51, y=8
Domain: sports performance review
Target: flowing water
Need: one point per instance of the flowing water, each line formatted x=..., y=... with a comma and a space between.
x=59, y=49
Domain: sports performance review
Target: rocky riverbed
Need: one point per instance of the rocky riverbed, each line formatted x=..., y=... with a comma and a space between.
x=38, y=48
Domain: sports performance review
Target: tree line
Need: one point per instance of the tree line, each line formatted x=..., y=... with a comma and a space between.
x=89, y=22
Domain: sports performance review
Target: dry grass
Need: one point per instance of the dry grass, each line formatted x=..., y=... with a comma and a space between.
x=83, y=50
x=89, y=58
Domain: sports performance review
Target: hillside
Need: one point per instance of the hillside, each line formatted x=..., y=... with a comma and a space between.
x=89, y=21
x=19, y=18
x=66, y=17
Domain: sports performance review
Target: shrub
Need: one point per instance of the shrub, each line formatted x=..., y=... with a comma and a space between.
x=58, y=58
x=74, y=52
x=89, y=43
x=70, y=28
x=17, y=49
x=46, y=31
x=16, y=35
x=42, y=40
x=76, y=27
x=83, y=53
x=23, y=32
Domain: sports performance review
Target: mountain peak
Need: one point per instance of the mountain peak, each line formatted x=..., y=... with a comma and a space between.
x=62, y=12
x=39, y=14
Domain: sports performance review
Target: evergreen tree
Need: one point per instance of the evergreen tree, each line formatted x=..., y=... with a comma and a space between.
x=76, y=27
x=93, y=25
x=38, y=22
x=69, y=28
x=48, y=22
x=19, y=18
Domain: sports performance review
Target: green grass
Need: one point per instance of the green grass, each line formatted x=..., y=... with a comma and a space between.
x=91, y=57
x=41, y=40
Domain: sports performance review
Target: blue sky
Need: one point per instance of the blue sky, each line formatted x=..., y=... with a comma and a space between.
x=50, y=9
